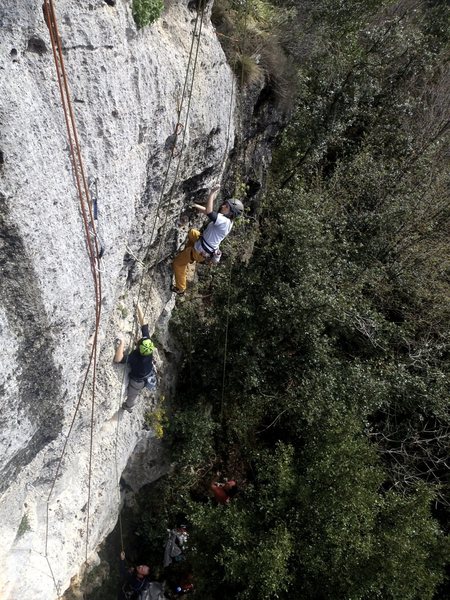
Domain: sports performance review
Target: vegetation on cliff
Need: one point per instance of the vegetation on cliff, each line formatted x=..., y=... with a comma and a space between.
x=146, y=12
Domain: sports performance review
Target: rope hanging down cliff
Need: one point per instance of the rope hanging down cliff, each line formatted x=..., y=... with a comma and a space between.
x=192, y=61
x=92, y=244
x=230, y=274
x=191, y=312
x=195, y=36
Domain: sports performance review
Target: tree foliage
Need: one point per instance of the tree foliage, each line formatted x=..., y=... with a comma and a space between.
x=329, y=400
x=146, y=12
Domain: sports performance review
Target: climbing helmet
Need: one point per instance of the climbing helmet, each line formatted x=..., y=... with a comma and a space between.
x=236, y=207
x=146, y=347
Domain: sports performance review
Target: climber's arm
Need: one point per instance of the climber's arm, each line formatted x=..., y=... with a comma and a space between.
x=205, y=210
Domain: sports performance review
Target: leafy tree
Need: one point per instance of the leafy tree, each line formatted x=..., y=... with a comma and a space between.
x=320, y=377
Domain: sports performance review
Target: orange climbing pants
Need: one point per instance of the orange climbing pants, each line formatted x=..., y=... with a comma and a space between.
x=186, y=256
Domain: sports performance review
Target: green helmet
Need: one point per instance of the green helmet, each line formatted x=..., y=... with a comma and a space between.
x=146, y=347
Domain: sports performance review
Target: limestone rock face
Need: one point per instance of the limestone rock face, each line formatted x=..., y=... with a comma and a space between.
x=126, y=85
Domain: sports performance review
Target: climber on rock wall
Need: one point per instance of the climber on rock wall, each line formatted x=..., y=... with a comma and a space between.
x=204, y=247
x=135, y=580
x=140, y=361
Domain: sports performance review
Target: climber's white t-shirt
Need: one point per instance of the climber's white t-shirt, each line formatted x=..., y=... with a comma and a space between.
x=216, y=231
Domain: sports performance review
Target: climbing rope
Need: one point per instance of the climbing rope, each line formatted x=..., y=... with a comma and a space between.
x=230, y=114
x=200, y=15
x=227, y=321
x=191, y=311
x=196, y=36
x=225, y=350
x=92, y=244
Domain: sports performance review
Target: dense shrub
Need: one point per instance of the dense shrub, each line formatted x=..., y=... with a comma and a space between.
x=146, y=12
x=329, y=402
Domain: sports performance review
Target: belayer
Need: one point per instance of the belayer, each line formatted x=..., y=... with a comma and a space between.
x=175, y=546
x=135, y=581
x=140, y=361
x=224, y=492
x=204, y=247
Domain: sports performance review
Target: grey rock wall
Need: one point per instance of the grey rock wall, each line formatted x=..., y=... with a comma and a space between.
x=125, y=88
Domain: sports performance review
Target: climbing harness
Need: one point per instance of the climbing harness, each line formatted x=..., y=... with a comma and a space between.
x=212, y=256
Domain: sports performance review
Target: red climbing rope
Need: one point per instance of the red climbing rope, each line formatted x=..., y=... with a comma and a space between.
x=92, y=245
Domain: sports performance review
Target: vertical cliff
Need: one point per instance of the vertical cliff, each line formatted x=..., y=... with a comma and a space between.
x=126, y=85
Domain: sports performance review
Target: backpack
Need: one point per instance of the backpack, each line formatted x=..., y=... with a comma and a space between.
x=151, y=381
x=130, y=593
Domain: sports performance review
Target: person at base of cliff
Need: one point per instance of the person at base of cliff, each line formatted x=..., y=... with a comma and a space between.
x=140, y=361
x=174, y=549
x=185, y=585
x=135, y=580
x=204, y=247
x=224, y=492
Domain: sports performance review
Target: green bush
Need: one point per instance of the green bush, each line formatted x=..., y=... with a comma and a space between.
x=332, y=411
x=146, y=12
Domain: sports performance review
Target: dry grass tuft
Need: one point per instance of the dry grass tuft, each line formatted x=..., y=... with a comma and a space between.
x=248, y=70
x=251, y=37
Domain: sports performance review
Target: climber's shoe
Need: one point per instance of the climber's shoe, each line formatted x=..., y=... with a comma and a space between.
x=182, y=220
x=126, y=407
x=175, y=290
